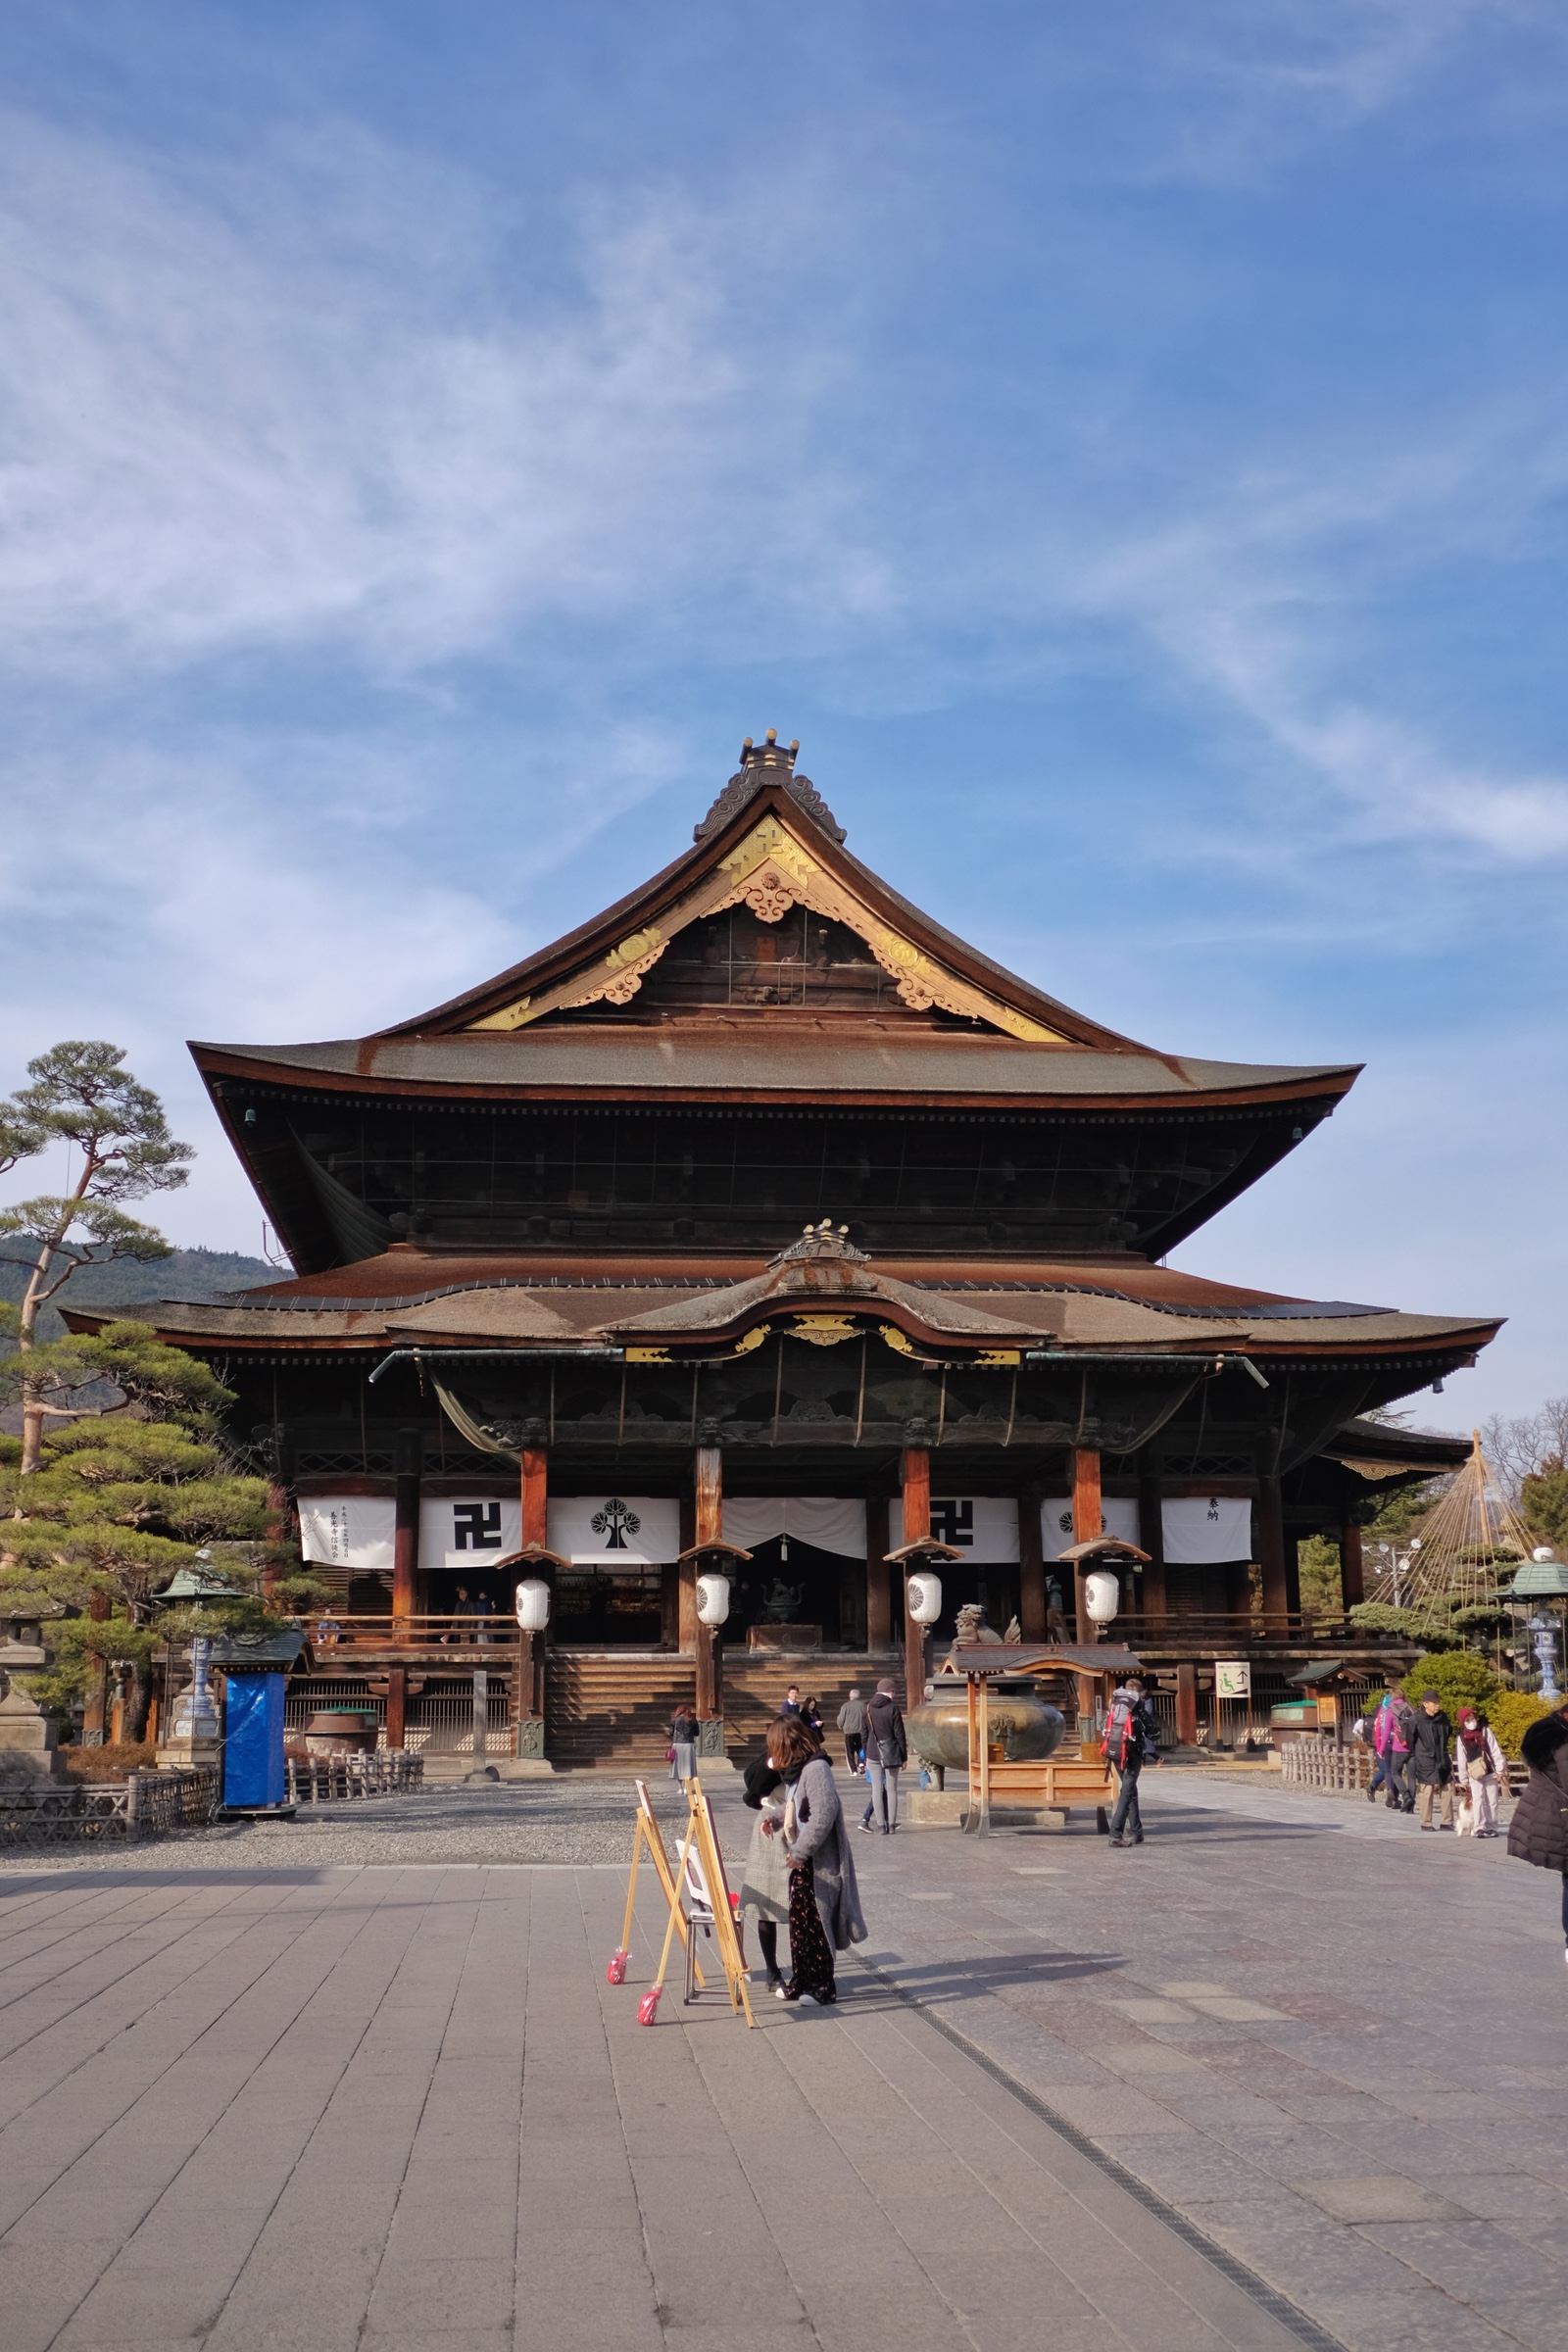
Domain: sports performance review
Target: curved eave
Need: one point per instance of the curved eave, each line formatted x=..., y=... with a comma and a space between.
x=269, y=1066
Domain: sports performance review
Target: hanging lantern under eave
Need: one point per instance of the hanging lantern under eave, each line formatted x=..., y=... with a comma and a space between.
x=925, y=1596
x=533, y=1604
x=713, y=1599
x=1102, y=1595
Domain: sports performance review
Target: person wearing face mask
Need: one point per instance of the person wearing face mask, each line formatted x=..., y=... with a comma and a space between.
x=825, y=1901
x=1479, y=1768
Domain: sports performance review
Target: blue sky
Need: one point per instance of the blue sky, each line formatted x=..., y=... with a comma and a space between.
x=1128, y=446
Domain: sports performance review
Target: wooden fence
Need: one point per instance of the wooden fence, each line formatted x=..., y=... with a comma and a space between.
x=314, y=1779
x=145, y=1804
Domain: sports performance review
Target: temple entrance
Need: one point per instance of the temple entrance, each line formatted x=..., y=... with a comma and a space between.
x=792, y=1582
x=599, y=1609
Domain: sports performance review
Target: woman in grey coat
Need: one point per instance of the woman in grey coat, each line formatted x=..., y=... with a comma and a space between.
x=826, y=1915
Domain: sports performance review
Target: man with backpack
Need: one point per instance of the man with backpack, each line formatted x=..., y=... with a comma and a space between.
x=1129, y=1742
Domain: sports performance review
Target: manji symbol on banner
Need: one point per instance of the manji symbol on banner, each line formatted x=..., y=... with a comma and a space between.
x=476, y=1527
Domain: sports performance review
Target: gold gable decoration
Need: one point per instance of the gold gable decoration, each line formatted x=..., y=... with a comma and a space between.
x=771, y=871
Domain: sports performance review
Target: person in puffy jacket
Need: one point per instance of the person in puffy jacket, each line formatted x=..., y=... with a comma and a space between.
x=1391, y=1736
x=1539, y=1831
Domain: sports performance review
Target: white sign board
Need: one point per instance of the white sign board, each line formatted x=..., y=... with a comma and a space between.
x=1233, y=1678
x=1118, y=1516
x=984, y=1527
x=1201, y=1528
x=469, y=1532
x=828, y=1522
x=348, y=1531
x=615, y=1531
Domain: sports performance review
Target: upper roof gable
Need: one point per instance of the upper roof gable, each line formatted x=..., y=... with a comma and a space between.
x=768, y=843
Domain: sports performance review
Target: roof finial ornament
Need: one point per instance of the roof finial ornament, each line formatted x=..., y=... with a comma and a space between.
x=769, y=762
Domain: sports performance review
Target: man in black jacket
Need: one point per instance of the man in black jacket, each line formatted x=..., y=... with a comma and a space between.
x=1428, y=1766
x=886, y=1752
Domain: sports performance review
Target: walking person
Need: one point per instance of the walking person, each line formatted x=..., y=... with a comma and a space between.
x=1430, y=1762
x=811, y=1717
x=851, y=1723
x=1128, y=1744
x=791, y=1700
x=887, y=1751
x=824, y=1901
x=1391, y=1736
x=765, y=1881
x=1539, y=1831
x=1480, y=1769
x=683, y=1744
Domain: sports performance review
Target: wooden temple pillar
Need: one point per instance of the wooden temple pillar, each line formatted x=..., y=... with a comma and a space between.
x=1031, y=1567
x=707, y=1528
x=1352, y=1572
x=397, y=1706
x=915, y=1473
x=1268, y=1517
x=1088, y=1520
x=408, y=1462
x=528, y=1700
x=878, y=1576
x=1151, y=1538
x=1187, y=1704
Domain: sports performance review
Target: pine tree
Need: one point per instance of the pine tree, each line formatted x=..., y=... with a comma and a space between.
x=120, y=1502
x=83, y=1096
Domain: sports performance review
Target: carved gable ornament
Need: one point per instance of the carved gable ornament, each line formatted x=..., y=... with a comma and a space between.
x=770, y=872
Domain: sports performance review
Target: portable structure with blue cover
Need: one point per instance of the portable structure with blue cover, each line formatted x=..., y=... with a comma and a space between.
x=255, y=1670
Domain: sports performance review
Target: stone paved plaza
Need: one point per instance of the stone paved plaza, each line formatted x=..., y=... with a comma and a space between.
x=1292, y=2073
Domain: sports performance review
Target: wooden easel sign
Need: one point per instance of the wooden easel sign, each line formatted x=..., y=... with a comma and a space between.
x=647, y=1837
x=705, y=1886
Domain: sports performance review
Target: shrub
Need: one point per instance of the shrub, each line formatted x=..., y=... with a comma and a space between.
x=1511, y=1715
x=1459, y=1677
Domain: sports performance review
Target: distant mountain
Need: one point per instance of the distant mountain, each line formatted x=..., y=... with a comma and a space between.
x=123, y=1281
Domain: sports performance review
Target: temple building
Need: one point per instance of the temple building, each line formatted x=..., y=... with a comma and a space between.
x=761, y=1225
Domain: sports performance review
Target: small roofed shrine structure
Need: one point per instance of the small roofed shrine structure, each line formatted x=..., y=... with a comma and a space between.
x=760, y=1230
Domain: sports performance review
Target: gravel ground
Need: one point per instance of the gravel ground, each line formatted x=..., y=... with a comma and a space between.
x=585, y=1818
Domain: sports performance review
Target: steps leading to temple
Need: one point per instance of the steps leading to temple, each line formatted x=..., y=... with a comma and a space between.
x=613, y=1713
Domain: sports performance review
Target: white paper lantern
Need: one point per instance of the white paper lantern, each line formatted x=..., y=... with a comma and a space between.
x=533, y=1604
x=713, y=1599
x=1102, y=1595
x=925, y=1598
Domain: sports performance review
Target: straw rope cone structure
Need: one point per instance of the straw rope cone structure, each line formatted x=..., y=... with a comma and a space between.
x=1471, y=1538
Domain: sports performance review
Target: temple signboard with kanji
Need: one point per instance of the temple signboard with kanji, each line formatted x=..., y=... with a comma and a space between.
x=761, y=1226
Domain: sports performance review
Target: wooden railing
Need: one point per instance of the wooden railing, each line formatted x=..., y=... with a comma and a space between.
x=339, y=1630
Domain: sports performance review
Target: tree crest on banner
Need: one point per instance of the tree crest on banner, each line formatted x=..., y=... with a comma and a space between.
x=615, y=1522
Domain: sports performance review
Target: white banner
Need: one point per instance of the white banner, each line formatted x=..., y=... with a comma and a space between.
x=348, y=1531
x=615, y=1531
x=1118, y=1516
x=983, y=1526
x=1201, y=1528
x=829, y=1522
x=459, y=1532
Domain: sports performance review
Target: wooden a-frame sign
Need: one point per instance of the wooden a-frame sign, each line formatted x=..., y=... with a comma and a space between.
x=649, y=1838
x=707, y=1881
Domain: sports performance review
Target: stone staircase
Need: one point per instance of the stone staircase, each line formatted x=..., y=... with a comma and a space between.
x=610, y=1713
